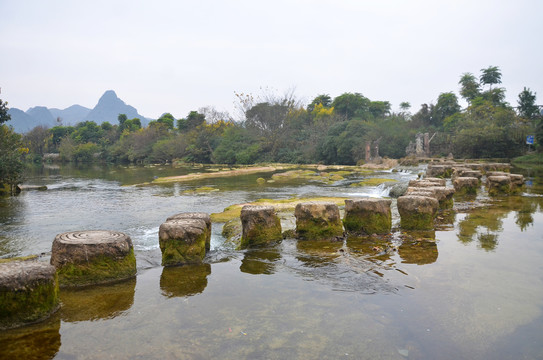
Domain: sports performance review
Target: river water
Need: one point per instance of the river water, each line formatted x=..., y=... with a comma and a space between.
x=475, y=292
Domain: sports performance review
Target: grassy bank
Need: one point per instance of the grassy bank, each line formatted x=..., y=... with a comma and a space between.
x=532, y=160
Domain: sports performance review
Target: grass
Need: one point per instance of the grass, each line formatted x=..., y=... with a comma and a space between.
x=535, y=159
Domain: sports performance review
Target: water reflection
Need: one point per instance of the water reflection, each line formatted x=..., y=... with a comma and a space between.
x=260, y=261
x=418, y=252
x=186, y=280
x=38, y=341
x=343, y=268
x=377, y=247
x=97, y=302
x=11, y=212
x=314, y=253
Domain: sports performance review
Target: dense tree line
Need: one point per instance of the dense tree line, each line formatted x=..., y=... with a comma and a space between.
x=279, y=128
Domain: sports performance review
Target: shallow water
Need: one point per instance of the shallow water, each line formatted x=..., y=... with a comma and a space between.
x=476, y=292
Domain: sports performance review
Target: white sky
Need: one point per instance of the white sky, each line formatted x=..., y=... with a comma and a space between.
x=176, y=56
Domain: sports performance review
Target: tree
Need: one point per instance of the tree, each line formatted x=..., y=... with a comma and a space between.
x=379, y=109
x=324, y=99
x=122, y=119
x=167, y=119
x=36, y=139
x=527, y=107
x=11, y=165
x=11, y=150
x=4, y=116
x=470, y=87
x=351, y=105
x=405, y=106
x=193, y=120
x=447, y=105
x=491, y=76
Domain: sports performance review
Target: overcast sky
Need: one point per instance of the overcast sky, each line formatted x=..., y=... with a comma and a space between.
x=176, y=56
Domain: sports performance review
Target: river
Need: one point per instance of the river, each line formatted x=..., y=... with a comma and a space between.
x=476, y=292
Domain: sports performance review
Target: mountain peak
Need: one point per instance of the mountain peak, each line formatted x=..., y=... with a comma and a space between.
x=109, y=107
x=109, y=95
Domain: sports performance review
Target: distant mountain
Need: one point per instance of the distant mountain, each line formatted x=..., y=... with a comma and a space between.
x=109, y=107
x=71, y=115
x=42, y=116
x=21, y=121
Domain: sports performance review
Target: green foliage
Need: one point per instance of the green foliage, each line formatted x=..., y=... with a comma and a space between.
x=379, y=109
x=167, y=119
x=11, y=150
x=4, y=116
x=486, y=131
x=237, y=146
x=527, y=107
x=324, y=100
x=191, y=122
x=470, y=88
x=491, y=76
x=351, y=105
x=447, y=105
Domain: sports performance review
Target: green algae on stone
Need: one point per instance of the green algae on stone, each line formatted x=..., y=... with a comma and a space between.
x=417, y=212
x=28, y=292
x=369, y=216
x=182, y=241
x=201, y=190
x=260, y=226
x=318, y=220
x=373, y=182
x=93, y=257
x=234, y=211
x=99, y=270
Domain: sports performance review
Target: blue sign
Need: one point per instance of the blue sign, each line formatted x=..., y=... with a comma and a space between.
x=530, y=139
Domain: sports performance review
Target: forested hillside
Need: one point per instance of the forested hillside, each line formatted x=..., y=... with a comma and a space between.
x=280, y=128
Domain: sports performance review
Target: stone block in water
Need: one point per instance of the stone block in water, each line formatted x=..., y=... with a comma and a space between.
x=182, y=241
x=260, y=226
x=318, y=220
x=499, y=184
x=466, y=185
x=417, y=212
x=93, y=257
x=369, y=216
x=196, y=215
x=28, y=292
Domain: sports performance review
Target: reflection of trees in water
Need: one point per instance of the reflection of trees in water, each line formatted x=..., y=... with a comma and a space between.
x=186, y=280
x=260, y=261
x=97, y=302
x=340, y=267
x=37, y=341
x=486, y=224
x=418, y=252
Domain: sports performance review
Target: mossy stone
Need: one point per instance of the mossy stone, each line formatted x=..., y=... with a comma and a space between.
x=369, y=216
x=93, y=257
x=318, y=221
x=28, y=292
x=182, y=241
x=417, y=212
x=260, y=226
